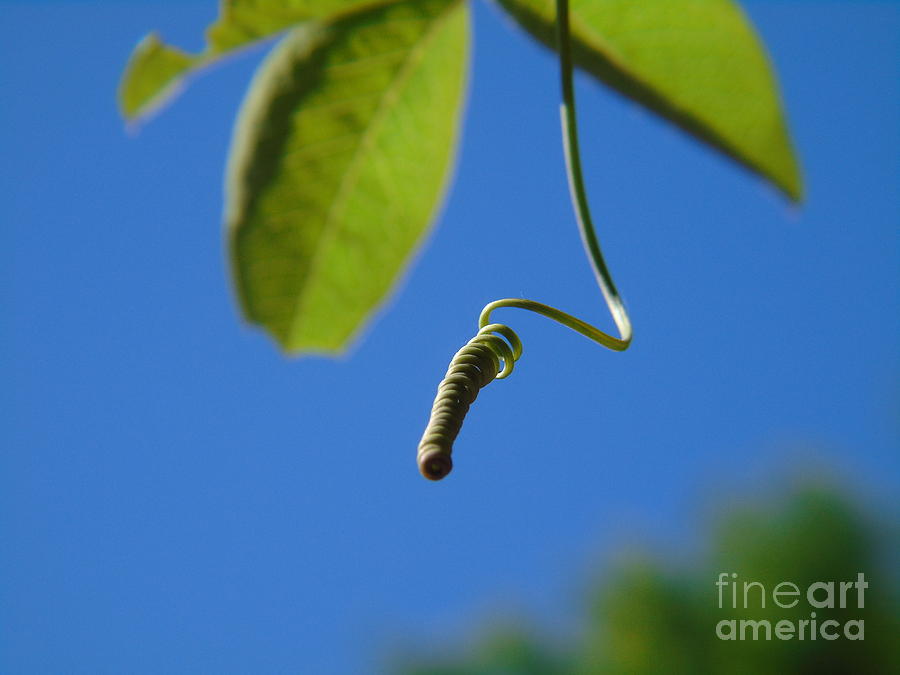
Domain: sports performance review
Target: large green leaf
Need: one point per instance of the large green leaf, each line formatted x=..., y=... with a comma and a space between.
x=156, y=70
x=339, y=160
x=697, y=63
x=244, y=21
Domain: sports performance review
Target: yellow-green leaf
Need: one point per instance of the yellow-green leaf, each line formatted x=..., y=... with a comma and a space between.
x=339, y=161
x=697, y=63
x=244, y=21
x=151, y=76
x=155, y=70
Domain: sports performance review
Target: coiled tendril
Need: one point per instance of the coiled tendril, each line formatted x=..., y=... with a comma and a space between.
x=487, y=356
x=483, y=359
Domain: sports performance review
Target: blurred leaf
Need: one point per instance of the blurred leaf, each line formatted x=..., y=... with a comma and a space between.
x=645, y=618
x=697, y=63
x=151, y=76
x=156, y=71
x=504, y=651
x=651, y=617
x=340, y=156
x=245, y=21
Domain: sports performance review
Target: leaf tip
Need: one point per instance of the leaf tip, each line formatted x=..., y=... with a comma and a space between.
x=296, y=346
x=789, y=180
x=796, y=189
x=151, y=77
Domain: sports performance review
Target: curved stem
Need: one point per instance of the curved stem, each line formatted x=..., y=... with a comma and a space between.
x=582, y=213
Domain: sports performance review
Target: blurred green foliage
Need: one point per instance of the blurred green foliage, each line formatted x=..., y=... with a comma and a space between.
x=646, y=618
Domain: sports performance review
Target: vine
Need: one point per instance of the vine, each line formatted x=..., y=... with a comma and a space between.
x=488, y=356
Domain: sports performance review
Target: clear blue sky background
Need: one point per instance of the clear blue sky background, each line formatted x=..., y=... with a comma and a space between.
x=177, y=497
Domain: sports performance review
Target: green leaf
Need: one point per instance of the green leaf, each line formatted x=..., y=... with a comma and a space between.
x=340, y=156
x=156, y=71
x=697, y=63
x=244, y=21
x=151, y=76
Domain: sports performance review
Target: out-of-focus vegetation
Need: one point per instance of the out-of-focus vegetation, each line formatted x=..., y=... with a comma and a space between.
x=648, y=618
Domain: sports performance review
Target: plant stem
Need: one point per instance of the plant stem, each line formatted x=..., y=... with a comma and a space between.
x=582, y=214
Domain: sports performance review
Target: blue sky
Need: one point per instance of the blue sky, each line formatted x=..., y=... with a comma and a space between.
x=177, y=497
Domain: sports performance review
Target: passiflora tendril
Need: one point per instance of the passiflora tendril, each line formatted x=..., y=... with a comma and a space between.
x=492, y=353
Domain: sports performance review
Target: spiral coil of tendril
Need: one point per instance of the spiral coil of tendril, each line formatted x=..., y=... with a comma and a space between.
x=484, y=358
x=487, y=356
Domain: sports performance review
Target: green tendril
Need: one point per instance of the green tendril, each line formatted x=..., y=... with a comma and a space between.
x=487, y=356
